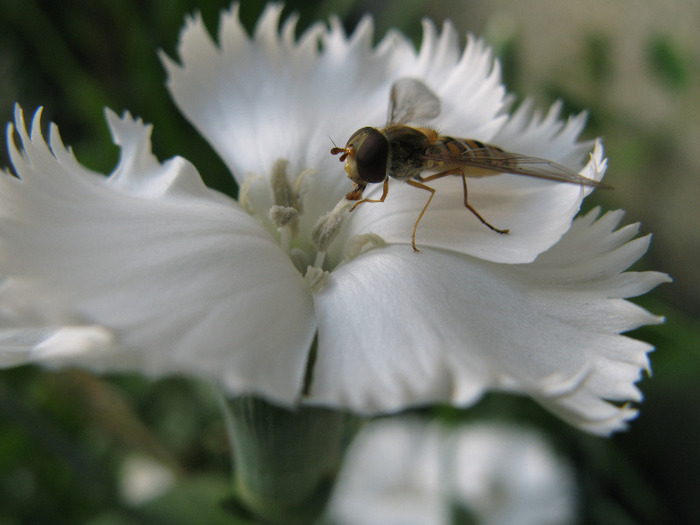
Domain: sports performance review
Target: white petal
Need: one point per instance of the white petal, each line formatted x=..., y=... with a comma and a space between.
x=511, y=475
x=86, y=345
x=262, y=98
x=399, y=329
x=408, y=472
x=249, y=98
x=528, y=132
x=393, y=475
x=472, y=96
x=180, y=277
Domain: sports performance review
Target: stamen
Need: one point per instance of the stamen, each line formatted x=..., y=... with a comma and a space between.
x=287, y=208
x=359, y=244
x=284, y=217
x=282, y=193
x=328, y=226
x=301, y=187
x=286, y=220
x=316, y=278
x=244, y=193
x=284, y=214
x=320, y=259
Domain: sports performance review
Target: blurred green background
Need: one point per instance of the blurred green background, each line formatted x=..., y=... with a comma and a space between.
x=65, y=436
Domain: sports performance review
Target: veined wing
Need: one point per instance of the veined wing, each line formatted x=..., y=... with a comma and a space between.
x=494, y=159
x=412, y=101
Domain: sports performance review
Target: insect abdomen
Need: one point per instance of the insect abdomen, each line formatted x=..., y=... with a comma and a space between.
x=460, y=150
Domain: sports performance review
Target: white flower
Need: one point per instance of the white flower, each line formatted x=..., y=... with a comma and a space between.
x=149, y=270
x=143, y=479
x=405, y=472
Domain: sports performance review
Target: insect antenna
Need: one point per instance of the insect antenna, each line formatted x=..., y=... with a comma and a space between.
x=335, y=150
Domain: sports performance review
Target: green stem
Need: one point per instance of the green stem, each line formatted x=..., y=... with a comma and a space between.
x=286, y=461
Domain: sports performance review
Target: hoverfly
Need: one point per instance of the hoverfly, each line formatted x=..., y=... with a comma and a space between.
x=404, y=152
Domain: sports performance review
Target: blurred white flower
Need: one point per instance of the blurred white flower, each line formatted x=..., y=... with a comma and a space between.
x=405, y=472
x=285, y=294
x=143, y=479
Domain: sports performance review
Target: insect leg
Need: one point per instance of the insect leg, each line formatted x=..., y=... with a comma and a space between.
x=476, y=213
x=385, y=191
x=417, y=184
x=456, y=171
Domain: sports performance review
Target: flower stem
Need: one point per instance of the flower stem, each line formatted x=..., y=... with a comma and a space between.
x=286, y=461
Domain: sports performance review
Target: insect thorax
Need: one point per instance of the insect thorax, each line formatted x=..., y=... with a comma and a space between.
x=407, y=145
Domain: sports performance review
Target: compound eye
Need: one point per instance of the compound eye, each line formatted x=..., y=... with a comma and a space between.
x=373, y=157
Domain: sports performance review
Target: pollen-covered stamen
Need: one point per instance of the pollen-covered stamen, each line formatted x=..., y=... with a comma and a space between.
x=286, y=220
x=327, y=227
x=285, y=193
x=287, y=198
x=284, y=216
x=282, y=194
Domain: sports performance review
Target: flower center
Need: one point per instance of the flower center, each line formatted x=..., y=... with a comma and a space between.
x=284, y=201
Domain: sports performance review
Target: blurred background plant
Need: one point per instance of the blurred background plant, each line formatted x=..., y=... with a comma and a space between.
x=72, y=445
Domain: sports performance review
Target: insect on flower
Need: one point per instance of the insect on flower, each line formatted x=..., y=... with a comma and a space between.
x=404, y=152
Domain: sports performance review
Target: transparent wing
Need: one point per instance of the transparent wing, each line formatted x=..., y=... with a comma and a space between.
x=499, y=161
x=412, y=101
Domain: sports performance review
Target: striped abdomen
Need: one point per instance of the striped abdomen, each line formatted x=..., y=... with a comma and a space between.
x=472, y=154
